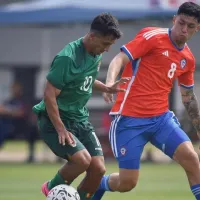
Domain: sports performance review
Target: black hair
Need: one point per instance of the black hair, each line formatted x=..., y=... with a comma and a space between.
x=106, y=25
x=191, y=9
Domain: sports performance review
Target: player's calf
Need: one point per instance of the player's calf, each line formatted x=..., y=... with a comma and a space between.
x=124, y=181
x=186, y=156
x=126, y=185
x=78, y=163
x=92, y=179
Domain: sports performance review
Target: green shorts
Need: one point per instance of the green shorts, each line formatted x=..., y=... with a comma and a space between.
x=83, y=134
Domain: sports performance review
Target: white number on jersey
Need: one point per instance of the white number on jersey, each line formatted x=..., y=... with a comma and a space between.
x=172, y=71
x=87, y=83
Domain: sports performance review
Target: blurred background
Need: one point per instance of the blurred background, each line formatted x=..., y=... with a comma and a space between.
x=31, y=34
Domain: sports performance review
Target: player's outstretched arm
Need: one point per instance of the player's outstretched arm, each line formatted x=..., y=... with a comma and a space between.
x=191, y=104
x=114, y=88
x=115, y=66
x=120, y=60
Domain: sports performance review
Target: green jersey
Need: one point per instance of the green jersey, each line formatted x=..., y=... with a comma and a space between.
x=73, y=71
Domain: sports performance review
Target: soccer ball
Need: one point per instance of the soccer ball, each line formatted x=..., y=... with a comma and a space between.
x=63, y=192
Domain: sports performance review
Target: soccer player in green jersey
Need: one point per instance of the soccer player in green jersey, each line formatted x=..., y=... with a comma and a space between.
x=62, y=115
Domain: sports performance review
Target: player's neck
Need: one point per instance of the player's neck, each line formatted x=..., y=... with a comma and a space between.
x=179, y=44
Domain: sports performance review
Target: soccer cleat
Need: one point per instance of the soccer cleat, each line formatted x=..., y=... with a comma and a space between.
x=45, y=189
x=98, y=194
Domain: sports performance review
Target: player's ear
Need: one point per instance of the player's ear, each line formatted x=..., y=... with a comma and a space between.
x=91, y=35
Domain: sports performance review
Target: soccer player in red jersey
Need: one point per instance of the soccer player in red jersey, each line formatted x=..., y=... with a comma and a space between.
x=154, y=59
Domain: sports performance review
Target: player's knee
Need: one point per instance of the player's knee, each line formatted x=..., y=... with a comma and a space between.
x=97, y=166
x=100, y=170
x=83, y=159
x=191, y=160
x=186, y=156
x=192, y=156
x=127, y=185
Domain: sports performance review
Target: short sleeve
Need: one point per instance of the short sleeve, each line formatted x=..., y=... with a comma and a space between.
x=139, y=46
x=59, y=73
x=186, y=80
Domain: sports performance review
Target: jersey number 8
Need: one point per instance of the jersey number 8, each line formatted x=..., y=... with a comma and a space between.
x=172, y=71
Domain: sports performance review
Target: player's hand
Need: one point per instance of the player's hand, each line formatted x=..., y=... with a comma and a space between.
x=116, y=86
x=66, y=137
x=108, y=98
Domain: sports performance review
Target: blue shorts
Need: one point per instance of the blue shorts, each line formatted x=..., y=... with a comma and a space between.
x=129, y=135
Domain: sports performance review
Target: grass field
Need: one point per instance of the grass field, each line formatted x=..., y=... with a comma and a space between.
x=157, y=182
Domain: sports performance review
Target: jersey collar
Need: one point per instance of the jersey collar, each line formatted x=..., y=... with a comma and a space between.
x=179, y=49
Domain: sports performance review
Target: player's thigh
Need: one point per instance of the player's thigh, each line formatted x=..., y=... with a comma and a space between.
x=169, y=135
x=87, y=136
x=50, y=137
x=187, y=157
x=91, y=142
x=127, y=140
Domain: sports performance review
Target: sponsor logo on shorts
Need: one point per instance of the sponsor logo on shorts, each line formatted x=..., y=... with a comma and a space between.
x=123, y=151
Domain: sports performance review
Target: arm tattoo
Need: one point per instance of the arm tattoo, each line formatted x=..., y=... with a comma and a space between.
x=190, y=102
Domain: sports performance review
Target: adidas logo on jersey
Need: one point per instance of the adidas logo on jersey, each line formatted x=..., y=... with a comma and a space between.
x=165, y=53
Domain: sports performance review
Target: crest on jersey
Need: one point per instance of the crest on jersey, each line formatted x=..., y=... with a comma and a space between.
x=98, y=66
x=123, y=151
x=183, y=63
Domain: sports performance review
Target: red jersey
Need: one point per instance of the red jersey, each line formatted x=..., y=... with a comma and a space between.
x=155, y=61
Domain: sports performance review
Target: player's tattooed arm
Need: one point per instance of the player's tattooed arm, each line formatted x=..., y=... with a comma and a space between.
x=191, y=104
